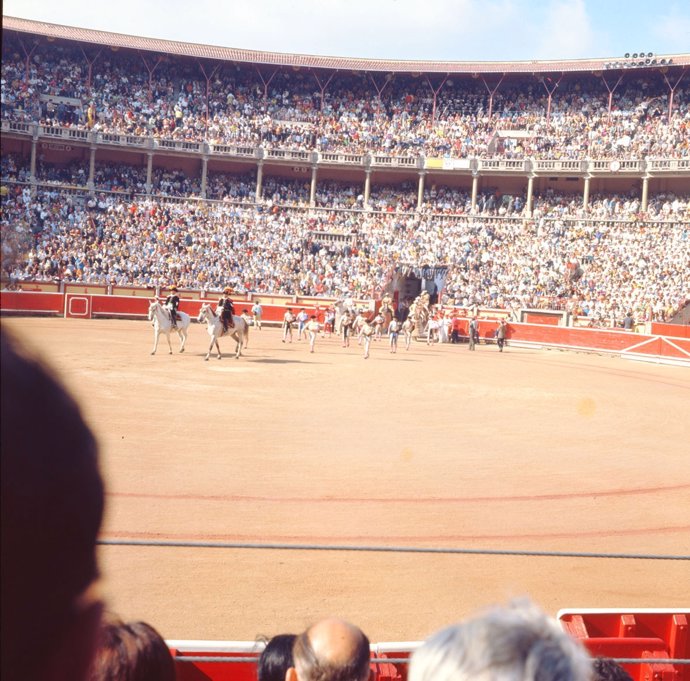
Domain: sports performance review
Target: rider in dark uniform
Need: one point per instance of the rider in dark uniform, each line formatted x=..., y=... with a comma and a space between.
x=227, y=309
x=172, y=302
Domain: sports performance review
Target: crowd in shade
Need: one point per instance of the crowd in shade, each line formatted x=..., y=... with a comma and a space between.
x=164, y=96
x=601, y=269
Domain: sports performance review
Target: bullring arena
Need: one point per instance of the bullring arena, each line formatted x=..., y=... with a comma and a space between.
x=437, y=448
x=404, y=491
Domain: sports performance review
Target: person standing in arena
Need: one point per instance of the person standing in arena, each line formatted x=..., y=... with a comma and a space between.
x=501, y=334
x=227, y=309
x=393, y=333
x=313, y=327
x=257, y=311
x=288, y=321
x=366, y=333
x=474, y=332
x=302, y=319
x=329, y=324
x=172, y=302
x=346, y=327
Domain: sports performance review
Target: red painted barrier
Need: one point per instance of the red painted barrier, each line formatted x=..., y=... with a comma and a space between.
x=624, y=343
x=119, y=306
x=672, y=330
x=32, y=302
x=93, y=289
x=230, y=668
x=541, y=318
x=653, y=636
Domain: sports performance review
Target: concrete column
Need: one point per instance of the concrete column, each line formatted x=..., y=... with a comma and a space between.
x=475, y=189
x=312, y=189
x=645, y=193
x=92, y=169
x=34, y=145
x=585, y=196
x=420, y=189
x=149, y=172
x=530, y=193
x=259, y=180
x=367, y=187
x=204, y=175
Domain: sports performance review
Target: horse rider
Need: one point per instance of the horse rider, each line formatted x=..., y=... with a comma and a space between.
x=172, y=302
x=227, y=309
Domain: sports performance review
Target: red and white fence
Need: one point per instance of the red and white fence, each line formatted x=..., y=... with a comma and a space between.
x=667, y=344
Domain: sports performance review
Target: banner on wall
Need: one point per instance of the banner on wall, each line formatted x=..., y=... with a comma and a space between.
x=447, y=164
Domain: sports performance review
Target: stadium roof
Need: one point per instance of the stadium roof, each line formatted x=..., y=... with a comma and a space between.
x=119, y=40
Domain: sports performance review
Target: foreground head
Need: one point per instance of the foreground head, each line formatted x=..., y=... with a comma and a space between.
x=516, y=643
x=331, y=650
x=134, y=651
x=606, y=669
x=52, y=504
x=276, y=658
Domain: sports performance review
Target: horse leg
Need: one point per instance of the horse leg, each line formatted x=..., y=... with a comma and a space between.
x=155, y=341
x=167, y=335
x=217, y=347
x=182, y=333
x=238, y=347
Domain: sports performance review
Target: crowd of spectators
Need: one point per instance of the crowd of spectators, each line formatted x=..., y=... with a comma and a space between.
x=400, y=114
x=601, y=269
x=602, y=260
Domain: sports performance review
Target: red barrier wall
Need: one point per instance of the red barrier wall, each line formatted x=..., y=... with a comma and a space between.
x=94, y=289
x=28, y=301
x=541, y=318
x=624, y=343
x=673, y=330
x=654, y=637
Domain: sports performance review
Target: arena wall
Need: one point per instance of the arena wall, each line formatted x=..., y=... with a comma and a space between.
x=653, y=347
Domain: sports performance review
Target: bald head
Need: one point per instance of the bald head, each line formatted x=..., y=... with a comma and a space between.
x=331, y=650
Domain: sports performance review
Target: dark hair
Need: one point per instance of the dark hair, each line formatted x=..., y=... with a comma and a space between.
x=607, y=669
x=276, y=658
x=134, y=651
x=52, y=505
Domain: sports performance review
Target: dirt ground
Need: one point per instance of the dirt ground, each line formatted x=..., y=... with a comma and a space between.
x=529, y=450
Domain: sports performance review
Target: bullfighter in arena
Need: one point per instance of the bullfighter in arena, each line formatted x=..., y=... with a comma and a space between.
x=227, y=309
x=172, y=302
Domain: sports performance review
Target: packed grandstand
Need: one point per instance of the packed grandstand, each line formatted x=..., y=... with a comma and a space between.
x=559, y=185
x=553, y=185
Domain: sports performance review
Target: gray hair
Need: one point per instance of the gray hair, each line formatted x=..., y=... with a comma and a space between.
x=514, y=643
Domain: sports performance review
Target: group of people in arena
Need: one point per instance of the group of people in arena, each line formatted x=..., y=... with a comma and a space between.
x=405, y=115
x=53, y=623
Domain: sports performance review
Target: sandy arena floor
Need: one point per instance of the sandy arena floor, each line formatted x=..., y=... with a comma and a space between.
x=436, y=447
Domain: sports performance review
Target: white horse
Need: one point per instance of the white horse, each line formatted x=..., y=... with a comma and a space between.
x=214, y=325
x=162, y=324
x=341, y=306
